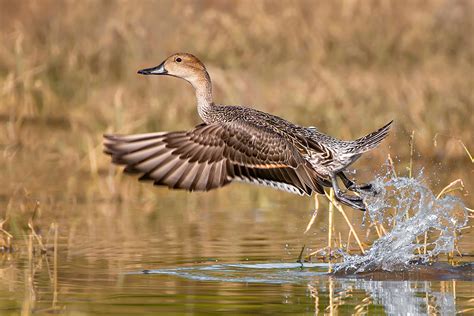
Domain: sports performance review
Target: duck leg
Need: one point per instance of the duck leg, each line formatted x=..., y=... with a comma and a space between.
x=349, y=200
x=352, y=186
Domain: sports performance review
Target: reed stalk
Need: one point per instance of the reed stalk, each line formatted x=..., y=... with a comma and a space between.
x=330, y=225
x=341, y=210
x=412, y=150
x=330, y=308
x=348, y=240
x=312, y=254
x=55, y=267
x=32, y=229
x=314, y=294
x=315, y=214
x=467, y=151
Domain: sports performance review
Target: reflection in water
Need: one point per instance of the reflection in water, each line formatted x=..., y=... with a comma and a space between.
x=397, y=297
x=406, y=297
x=95, y=287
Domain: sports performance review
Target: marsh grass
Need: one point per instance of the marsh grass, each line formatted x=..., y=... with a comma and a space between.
x=5, y=238
x=334, y=63
x=68, y=75
x=344, y=66
x=40, y=247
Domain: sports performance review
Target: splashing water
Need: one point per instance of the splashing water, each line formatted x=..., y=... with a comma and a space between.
x=411, y=209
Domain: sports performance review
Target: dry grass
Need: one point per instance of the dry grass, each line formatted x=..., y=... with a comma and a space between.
x=323, y=64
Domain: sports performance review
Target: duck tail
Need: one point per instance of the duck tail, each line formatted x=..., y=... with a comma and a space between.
x=370, y=141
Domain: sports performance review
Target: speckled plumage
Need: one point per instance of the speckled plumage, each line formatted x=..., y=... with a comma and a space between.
x=237, y=143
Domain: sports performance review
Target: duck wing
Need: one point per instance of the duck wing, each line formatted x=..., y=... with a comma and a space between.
x=213, y=155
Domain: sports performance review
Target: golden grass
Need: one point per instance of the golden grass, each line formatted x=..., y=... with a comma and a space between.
x=344, y=66
x=332, y=62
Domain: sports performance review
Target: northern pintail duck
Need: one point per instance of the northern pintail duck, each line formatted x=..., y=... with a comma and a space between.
x=237, y=143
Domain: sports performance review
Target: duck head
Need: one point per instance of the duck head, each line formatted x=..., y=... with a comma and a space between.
x=191, y=69
x=181, y=65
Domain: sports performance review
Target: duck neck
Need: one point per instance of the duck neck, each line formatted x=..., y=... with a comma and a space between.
x=203, y=88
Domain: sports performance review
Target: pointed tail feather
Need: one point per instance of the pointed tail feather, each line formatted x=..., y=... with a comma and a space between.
x=370, y=141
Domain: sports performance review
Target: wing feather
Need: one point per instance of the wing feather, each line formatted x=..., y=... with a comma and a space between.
x=213, y=155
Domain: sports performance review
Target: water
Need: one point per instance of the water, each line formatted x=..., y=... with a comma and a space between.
x=229, y=251
x=184, y=261
x=394, y=297
x=411, y=209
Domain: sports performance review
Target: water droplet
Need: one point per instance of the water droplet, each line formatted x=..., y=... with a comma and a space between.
x=397, y=249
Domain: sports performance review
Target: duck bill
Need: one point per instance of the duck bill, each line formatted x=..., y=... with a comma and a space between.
x=158, y=70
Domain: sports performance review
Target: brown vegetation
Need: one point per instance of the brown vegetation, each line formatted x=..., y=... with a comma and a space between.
x=68, y=75
x=344, y=66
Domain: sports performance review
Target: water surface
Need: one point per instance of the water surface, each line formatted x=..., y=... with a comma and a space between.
x=207, y=263
x=233, y=250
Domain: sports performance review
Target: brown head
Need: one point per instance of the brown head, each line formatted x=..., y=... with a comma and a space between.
x=181, y=65
x=189, y=68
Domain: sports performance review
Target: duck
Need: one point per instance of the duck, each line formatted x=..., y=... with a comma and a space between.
x=240, y=144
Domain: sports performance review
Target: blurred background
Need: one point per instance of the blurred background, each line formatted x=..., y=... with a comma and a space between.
x=68, y=75
x=344, y=66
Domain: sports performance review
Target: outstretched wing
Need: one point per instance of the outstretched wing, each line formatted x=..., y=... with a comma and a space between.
x=211, y=156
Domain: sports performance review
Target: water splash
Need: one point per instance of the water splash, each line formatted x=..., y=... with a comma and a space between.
x=411, y=209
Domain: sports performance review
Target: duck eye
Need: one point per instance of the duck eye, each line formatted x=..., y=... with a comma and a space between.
x=178, y=60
